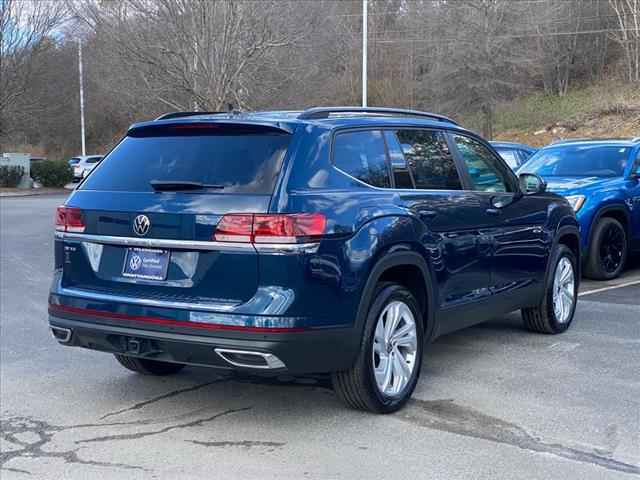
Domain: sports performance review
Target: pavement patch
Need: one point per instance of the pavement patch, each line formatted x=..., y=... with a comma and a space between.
x=447, y=416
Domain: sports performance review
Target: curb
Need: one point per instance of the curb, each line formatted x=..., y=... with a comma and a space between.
x=34, y=194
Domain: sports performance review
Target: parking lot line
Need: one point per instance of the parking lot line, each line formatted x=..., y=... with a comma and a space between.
x=612, y=287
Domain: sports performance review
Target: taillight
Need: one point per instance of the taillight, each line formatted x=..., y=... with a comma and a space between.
x=235, y=228
x=287, y=228
x=277, y=228
x=69, y=219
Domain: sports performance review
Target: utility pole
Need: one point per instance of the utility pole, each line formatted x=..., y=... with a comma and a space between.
x=195, y=75
x=84, y=151
x=364, y=52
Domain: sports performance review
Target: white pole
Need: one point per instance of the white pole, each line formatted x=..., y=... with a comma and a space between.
x=364, y=52
x=84, y=151
x=195, y=74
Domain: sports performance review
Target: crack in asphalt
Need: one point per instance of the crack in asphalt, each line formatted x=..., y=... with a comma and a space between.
x=243, y=443
x=17, y=470
x=173, y=393
x=44, y=432
x=445, y=415
x=194, y=423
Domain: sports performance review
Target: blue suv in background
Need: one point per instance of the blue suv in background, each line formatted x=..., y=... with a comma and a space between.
x=601, y=180
x=515, y=154
x=333, y=240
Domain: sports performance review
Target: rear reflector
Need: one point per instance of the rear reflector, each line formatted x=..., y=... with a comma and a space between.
x=57, y=309
x=69, y=219
x=277, y=228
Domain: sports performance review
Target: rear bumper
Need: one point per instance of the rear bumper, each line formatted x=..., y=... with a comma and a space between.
x=314, y=351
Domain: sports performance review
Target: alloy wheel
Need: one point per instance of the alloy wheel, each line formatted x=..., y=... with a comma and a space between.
x=395, y=347
x=563, y=290
x=612, y=249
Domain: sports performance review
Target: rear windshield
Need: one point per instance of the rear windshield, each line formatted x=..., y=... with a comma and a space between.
x=246, y=162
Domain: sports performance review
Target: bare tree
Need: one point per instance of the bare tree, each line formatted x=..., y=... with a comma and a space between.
x=628, y=36
x=483, y=64
x=25, y=37
x=190, y=53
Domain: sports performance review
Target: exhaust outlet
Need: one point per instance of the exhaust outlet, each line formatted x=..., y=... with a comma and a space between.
x=247, y=359
x=63, y=335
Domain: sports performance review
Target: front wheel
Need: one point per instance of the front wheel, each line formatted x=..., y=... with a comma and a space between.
x=388, y=365
x=555, y=313
x=608, y=250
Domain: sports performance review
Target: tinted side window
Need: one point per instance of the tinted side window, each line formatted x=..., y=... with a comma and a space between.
x=401, y=174
x=362, y=155
x=510, y=156
x=636, y=165
x=481, y=165
x=430, y=159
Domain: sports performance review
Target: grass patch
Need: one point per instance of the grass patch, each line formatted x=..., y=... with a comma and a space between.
x=538, y=111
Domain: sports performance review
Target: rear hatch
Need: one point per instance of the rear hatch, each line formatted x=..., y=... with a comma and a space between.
x=147, y=208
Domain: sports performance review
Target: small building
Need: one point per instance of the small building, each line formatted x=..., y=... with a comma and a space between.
x=21, y=160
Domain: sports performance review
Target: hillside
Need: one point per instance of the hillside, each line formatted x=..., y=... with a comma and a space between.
x=600, y=111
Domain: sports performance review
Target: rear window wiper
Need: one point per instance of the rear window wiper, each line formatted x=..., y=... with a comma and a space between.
x=177, y=185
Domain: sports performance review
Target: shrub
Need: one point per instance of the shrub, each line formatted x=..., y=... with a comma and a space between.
x=52, y=173
x=10, y=175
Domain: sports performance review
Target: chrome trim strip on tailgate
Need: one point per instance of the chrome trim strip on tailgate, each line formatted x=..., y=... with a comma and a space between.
x=154, y=242
x=148, y=302
x=188, y=244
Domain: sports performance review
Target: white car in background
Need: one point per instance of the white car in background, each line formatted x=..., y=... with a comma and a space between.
x=83, y=164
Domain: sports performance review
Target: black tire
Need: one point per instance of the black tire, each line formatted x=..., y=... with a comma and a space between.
x=542, y=319
x=604, y=261
x=357, y=387
x=148, y=367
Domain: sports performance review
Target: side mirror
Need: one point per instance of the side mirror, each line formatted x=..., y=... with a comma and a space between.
x=531, y=184
x=635, y=171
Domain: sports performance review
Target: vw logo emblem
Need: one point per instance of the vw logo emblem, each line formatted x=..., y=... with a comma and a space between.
x=141, y=225
x=135, y=262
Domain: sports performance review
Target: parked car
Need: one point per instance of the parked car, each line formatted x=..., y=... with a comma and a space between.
x=515, y=154
x=601, y=180
x=85, y=164
x=306, y=242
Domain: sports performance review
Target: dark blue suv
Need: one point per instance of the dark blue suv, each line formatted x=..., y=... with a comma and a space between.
x=334, y=240
x=601, y=180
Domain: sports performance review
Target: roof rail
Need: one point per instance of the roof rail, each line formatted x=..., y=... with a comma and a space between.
x=170, y=115
x=316, y=113
x=570, y=140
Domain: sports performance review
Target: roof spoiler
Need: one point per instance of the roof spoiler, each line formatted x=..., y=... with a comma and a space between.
x=213, y=125
x=170, y=115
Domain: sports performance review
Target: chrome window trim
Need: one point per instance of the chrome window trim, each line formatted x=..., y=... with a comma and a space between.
x=188, y=244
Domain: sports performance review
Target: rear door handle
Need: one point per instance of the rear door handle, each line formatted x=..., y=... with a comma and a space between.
x=493, y=211
x=427, y=214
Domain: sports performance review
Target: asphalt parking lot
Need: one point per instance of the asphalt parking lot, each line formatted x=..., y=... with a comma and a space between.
x=494, y=401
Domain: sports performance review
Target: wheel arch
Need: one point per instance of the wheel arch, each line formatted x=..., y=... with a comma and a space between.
x=616, y=211
x=408, y=268
x=567, y=235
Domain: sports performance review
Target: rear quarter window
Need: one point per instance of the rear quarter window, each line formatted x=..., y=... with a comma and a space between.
x=247, y=162
x=362, y=154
